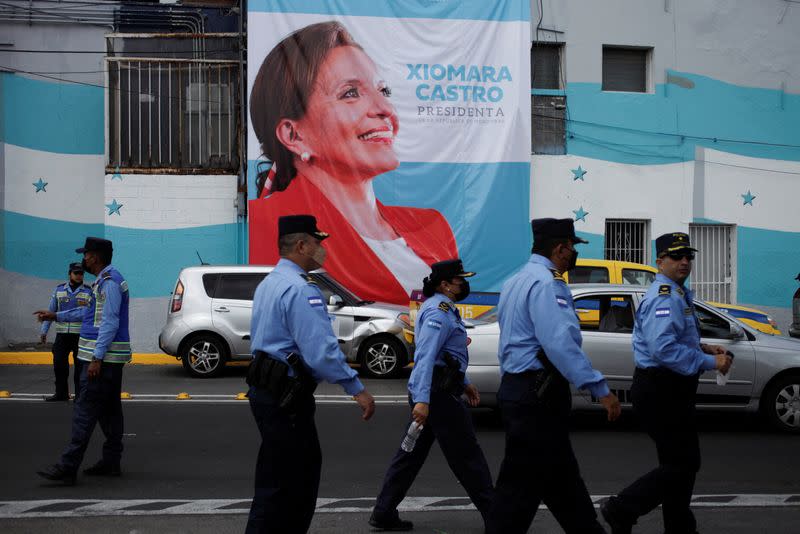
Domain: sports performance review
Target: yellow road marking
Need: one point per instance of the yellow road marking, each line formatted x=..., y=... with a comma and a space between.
x=46, y=358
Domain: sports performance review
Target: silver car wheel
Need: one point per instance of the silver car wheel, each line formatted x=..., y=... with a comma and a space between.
x=381, y=358
x=204, y=357
x=787, y=405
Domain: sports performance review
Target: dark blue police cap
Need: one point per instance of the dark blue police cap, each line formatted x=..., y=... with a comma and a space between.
x=449, y=269
x=300, y=224
x=673, y=242
x=97, y=244
x=550, y=228
x=75, y=267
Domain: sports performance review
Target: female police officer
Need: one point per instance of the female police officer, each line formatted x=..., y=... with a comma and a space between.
x=435, y=388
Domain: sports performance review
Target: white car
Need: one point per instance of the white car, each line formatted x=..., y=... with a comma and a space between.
x=765, y=376
x=209, y=315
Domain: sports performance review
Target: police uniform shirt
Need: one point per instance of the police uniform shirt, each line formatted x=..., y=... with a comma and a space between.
x=439, y=330
x=75, y=298
x=536, y=311
x=290, y=315
x=666, y=333
x=111, y=291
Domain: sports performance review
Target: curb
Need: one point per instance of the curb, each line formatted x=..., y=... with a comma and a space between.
x=46, y=358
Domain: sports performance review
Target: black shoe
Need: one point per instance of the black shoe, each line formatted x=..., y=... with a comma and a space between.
x=103, y=469
x=58, y=473
x=618, y=524
x=393, y=525
x=56, y=398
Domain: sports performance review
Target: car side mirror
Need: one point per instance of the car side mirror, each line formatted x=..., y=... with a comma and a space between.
x=335, y=301
x=736, y=331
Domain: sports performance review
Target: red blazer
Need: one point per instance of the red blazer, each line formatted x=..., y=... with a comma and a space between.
x=350, y=260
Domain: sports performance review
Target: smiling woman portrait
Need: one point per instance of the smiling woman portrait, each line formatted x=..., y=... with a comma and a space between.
x=323, y=117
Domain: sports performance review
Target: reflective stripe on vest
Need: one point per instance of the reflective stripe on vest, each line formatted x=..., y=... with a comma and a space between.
x=117, y=352
x=68, y=328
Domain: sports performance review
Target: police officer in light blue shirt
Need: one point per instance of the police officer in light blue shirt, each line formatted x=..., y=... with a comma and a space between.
x=293, y=347
x=435, y=388
x=669, y=360
x=67, y=296
x=104, y=346
x=540, y=354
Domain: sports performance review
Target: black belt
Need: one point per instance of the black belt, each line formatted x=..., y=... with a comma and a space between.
x=447, y=380
x=272, y=375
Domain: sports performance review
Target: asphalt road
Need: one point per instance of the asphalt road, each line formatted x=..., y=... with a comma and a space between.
x=196, y=453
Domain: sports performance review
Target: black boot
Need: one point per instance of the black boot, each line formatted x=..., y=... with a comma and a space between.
x=58, y=473
x=103, y=469
x=618, y=524
x=394, y=524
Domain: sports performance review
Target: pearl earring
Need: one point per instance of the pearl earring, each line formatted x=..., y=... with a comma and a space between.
x=305, y=156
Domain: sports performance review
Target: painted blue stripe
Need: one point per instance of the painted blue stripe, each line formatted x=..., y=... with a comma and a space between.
x=767, y=261
x=495, y=10
x=42, y=247
x=57, y=117
x=614, y=126
x=149, y=259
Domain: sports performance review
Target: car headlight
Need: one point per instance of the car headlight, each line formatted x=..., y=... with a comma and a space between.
x=405, y=319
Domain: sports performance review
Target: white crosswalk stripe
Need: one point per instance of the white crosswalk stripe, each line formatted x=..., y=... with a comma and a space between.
x=72, y=508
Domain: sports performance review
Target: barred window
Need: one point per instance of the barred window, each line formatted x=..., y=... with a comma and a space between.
x=173, y=102
x=548, y=124
x=627, y=240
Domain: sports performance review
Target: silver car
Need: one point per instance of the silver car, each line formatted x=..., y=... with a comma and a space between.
x=765, y=376
x=209, y=315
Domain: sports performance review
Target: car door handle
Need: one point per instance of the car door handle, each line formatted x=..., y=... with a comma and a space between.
x=222, y=309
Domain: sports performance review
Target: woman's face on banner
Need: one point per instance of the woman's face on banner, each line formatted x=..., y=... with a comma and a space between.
x=350, y=124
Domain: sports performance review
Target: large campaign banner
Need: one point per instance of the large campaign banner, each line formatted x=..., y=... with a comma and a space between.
x=402, y=125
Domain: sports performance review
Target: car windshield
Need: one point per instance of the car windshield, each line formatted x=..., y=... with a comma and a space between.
x=339, y=289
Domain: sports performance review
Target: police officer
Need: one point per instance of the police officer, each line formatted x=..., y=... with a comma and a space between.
x=68, y=295
x=669, y=360
x=293, y=347
x=435, y=388
x=104, y=347
x=540, y=354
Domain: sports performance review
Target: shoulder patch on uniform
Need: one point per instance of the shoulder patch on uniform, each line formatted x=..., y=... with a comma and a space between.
x=107, y=275
x=444, y=306
x=662, y=312
x=558, y=275
x=665, y=289
x=315, y=302
x=687, y=311
x=308, y=279
x=680, y=291
x=433, y=323
x=562, y=302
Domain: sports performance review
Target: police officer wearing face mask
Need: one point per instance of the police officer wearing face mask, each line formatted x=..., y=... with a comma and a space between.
x=540, y=354
x=435, y=388
x=293, y=347
x=669, y=360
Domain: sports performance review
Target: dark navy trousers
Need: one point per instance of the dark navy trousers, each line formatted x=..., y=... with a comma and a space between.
x=63, y=345
x=98, y=402
x=664, y=403
x=288, y=466
x=539, y=463
x=450, y=424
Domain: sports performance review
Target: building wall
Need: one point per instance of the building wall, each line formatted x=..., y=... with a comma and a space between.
x=55, y=131
x=722, y=72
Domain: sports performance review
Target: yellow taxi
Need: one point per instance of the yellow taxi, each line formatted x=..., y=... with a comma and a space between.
x=623, y=272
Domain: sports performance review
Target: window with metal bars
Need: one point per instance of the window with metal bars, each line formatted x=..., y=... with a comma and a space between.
x=548, y=125
x=627, y=240
x=546, y=65
x=173, y=102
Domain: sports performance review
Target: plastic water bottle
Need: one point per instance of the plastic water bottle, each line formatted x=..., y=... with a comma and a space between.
x=722, y=379
x=414, y=430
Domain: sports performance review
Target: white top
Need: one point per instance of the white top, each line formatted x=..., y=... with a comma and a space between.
x=403, y=262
